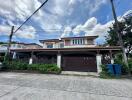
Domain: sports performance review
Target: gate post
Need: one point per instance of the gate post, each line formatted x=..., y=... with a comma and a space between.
x=59, y=60
x=14, y=55
x=31, y=58
x=99, y=62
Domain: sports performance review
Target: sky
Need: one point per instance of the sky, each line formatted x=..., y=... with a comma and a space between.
x=59, y=18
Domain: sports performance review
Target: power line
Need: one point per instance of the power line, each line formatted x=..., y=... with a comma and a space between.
x=30, y=16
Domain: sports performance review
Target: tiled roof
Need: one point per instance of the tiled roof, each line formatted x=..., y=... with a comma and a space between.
x=116, y=48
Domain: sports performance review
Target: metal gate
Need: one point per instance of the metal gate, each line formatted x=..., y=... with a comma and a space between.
x=82, y=63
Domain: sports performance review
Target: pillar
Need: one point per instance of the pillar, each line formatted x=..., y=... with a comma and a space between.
x=59, y=60
x=99, y=62
x=14, y=55
x=111, y=57
x=112, y=61
x=31, y=60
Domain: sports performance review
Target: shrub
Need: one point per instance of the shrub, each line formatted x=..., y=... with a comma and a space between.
x=1, y=58
x=43, y=68
x=49, y=68
x=15, y=65
x=130, y=64
x=33, y=66
x=105, y=74
x=119, y=60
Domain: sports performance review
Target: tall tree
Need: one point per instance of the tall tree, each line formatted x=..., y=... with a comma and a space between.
x=125, y=29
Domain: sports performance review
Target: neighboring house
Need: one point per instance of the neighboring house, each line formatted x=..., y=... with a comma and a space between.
x=3, y=47
x=70, y=54
x=15, y=45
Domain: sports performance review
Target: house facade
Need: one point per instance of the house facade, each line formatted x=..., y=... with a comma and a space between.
x=70, y=42
x=16, y=45
x=70, y=54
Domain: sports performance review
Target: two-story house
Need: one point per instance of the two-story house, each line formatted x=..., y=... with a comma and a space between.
x=70, y=42
x=71, y=53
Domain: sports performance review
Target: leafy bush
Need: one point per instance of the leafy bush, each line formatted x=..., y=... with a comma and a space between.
x=49, y=68
x=43, y=68
x=15, y=65
x=1, y=58
x=105, y=73
x=119, y=60
x=33, y=66
x=130, y=64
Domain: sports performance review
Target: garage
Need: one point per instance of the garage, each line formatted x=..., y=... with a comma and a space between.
x=79, y=62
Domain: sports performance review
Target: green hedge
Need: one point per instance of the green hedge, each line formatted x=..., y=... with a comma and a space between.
x=125, y=68
x=1, y=58
x=15, y=65
x=130, y=64
x=43, y=68
x=104, y=73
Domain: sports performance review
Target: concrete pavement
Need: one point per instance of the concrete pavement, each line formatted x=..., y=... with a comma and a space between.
x=24, y=86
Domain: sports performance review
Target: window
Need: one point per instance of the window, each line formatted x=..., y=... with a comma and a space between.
x=61, y=45
x=19, y=46
x=49, y=45
x=78, y=41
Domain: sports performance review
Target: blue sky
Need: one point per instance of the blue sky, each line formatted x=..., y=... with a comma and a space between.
x=59, y=18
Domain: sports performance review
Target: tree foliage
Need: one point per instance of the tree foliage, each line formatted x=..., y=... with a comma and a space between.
x=125, y=29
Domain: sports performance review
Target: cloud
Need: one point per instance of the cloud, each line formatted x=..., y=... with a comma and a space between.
x=66, y=32
x=129, y=12
x=53, y=18
x=28, y=32
x=91, y=27
x=16, y=11
x=94, y=5
x=56, y=14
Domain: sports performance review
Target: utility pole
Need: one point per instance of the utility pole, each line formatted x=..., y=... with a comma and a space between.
x=10, y=39
x=118, y=33
x=9, y=44
x=12, y=29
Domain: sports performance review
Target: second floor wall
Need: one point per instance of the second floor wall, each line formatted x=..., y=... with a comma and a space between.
x=69, y=42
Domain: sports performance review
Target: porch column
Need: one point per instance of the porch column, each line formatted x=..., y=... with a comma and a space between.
x=31, y=60
x=14, y=55
x=99, y=62
x=111, y=57
x=59, y=60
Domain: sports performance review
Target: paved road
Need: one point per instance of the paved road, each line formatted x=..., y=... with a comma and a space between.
x=23, y=86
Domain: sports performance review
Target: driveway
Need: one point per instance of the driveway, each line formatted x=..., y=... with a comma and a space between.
x=23, y=86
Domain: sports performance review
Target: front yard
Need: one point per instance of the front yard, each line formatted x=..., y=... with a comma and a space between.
x=25, y=86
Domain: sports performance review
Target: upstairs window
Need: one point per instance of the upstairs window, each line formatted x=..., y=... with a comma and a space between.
x=49, y=45
x=61, y=45
x=78, y=41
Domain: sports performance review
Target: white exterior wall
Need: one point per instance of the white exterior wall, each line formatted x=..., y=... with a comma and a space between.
x=55, y=45
x=99, y=62
x=86, y=44
x=71, y=45
x=77, y=46
x=31, y=61
x=14, y=55
x=59, y=60
x=85, y=41
x=44, y=45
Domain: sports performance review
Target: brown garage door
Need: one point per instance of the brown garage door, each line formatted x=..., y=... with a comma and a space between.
x=80, y=63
